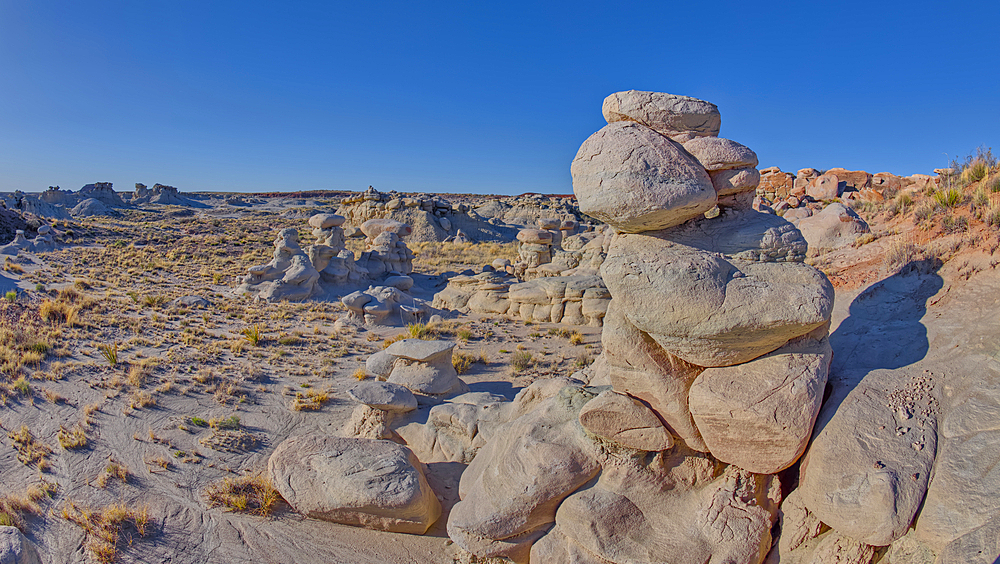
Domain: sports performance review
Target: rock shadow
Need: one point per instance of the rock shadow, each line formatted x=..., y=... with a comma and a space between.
x=883, y=329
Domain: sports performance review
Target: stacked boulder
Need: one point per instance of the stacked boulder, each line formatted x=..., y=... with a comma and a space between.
x=715, y=349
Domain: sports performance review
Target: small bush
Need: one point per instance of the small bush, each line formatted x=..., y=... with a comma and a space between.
x=198, y=422
x=311, y=400
x=464, y=333
x=575, y=338
x=249, y=494
x=420, y=331
x=154, y=300
x=949, y=198
x=72, y=439
x=113, y=471
x=229, y=423
x=109, y=352
x=360, y=373
x=899, y=254
x=11, y=296
x=253, y=334
x=521, y=361
x=105, y=528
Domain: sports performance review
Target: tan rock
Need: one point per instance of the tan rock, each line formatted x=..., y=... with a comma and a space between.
x=667, y=114
x=835, y=227
x=373, y=484
x=776, y=184
x=626, y=421
x=716, y=153
x=734, y=181
x=760, y=415
x=856, y=179
x=634, y=179
x=824, y=187
x=718, y=312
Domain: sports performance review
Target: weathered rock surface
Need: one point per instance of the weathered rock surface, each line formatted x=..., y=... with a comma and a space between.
x=625, y=421
x=718, y=312
x=635, y=179
x=834, y=227
x=424, y=366
x=511, y=490
x=373, y=484
x=15, y=549
x=865, y=473
x=384, y=395
x=716, y=153
x=734, y=181
x=667, y=114
x=824, y=187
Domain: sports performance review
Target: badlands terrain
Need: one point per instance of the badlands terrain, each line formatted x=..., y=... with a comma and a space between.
x=692, y=359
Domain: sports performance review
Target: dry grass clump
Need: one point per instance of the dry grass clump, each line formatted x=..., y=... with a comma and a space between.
x=900, y=253
x=113, y=471
x=14, y=508
x=463, y=361
x=253, y=334
x=140, y=399
x=30, y=451
x=108, y=528
x=310, y=400
x=72, y=439
x=253, y=494
x=360, y=373
x=521, y=361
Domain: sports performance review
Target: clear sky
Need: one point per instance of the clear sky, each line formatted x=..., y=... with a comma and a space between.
x=489, y=97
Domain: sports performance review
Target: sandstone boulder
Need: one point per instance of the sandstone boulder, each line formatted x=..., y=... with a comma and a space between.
x=511, y=490
x=834, y=227
x=866, y=471
x=759, y=415
x=15, y=548
x=373, y=484
x=635, y=179
x=824, y=187
x=326, y=220
x=383, y=395
x=716, y=153
x=667, y=114
x=424, y=366
x=626, y=421
x=718, y=312
x=735, y=180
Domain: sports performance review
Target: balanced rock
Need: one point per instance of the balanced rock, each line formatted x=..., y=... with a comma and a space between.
x=383, y=395
x=535, y=236
x=424, y=366
x=626, y=421
x=326, y=220
x=759, y=415
x=667, y=114
x=716, y=153
x=373, y=484
x=634, y=179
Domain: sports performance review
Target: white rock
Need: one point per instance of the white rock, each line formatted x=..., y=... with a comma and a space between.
x=667, y=114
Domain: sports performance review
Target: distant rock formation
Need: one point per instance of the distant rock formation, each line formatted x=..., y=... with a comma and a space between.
x=161, y=194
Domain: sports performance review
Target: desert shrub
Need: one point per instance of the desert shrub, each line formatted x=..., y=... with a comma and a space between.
x=253, y=334
x=254, y=494
x=924, y=210
x=113, y=471
x=72, y=439
x=30, y=451
x=109, y=529
x=310, y=400
x=521, y=361
x=110, y=352
x=948, y=198
x=899, y=253
x=463, y=361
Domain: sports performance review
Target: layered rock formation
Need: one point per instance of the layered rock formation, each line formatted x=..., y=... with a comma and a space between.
x=42, y=242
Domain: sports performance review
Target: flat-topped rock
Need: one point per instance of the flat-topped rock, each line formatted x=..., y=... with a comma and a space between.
x=419, y=349
x=375, y=227
x=383, y=395
x=326, y=220
x=635, y=179
x=626, y=421
x=535, y=236
x=368, y=483
x=716, y=153
x=667, y=114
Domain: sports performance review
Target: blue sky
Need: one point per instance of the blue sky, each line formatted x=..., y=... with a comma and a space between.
x=472, y=96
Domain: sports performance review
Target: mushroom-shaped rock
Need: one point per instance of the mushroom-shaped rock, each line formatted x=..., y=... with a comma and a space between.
x=716, y=153
x=424, y=366
x=44, y=229
x=635, y=179
x=383, y=395
x=535, y=236
x=668, y=114
x=626, y=421
x=375, y=227
x=549, y=223
x=363, y=482
x=326, y=220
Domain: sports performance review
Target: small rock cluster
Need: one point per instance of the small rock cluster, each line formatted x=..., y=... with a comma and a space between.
x=295, y=274
x=43, y=242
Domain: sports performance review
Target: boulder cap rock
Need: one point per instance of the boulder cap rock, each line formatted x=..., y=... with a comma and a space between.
x=626, y=421
x=537, y=236
x=383, y=395
x=635, y=179
x=419, y=349
x=668, y=114
x=326, y=220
